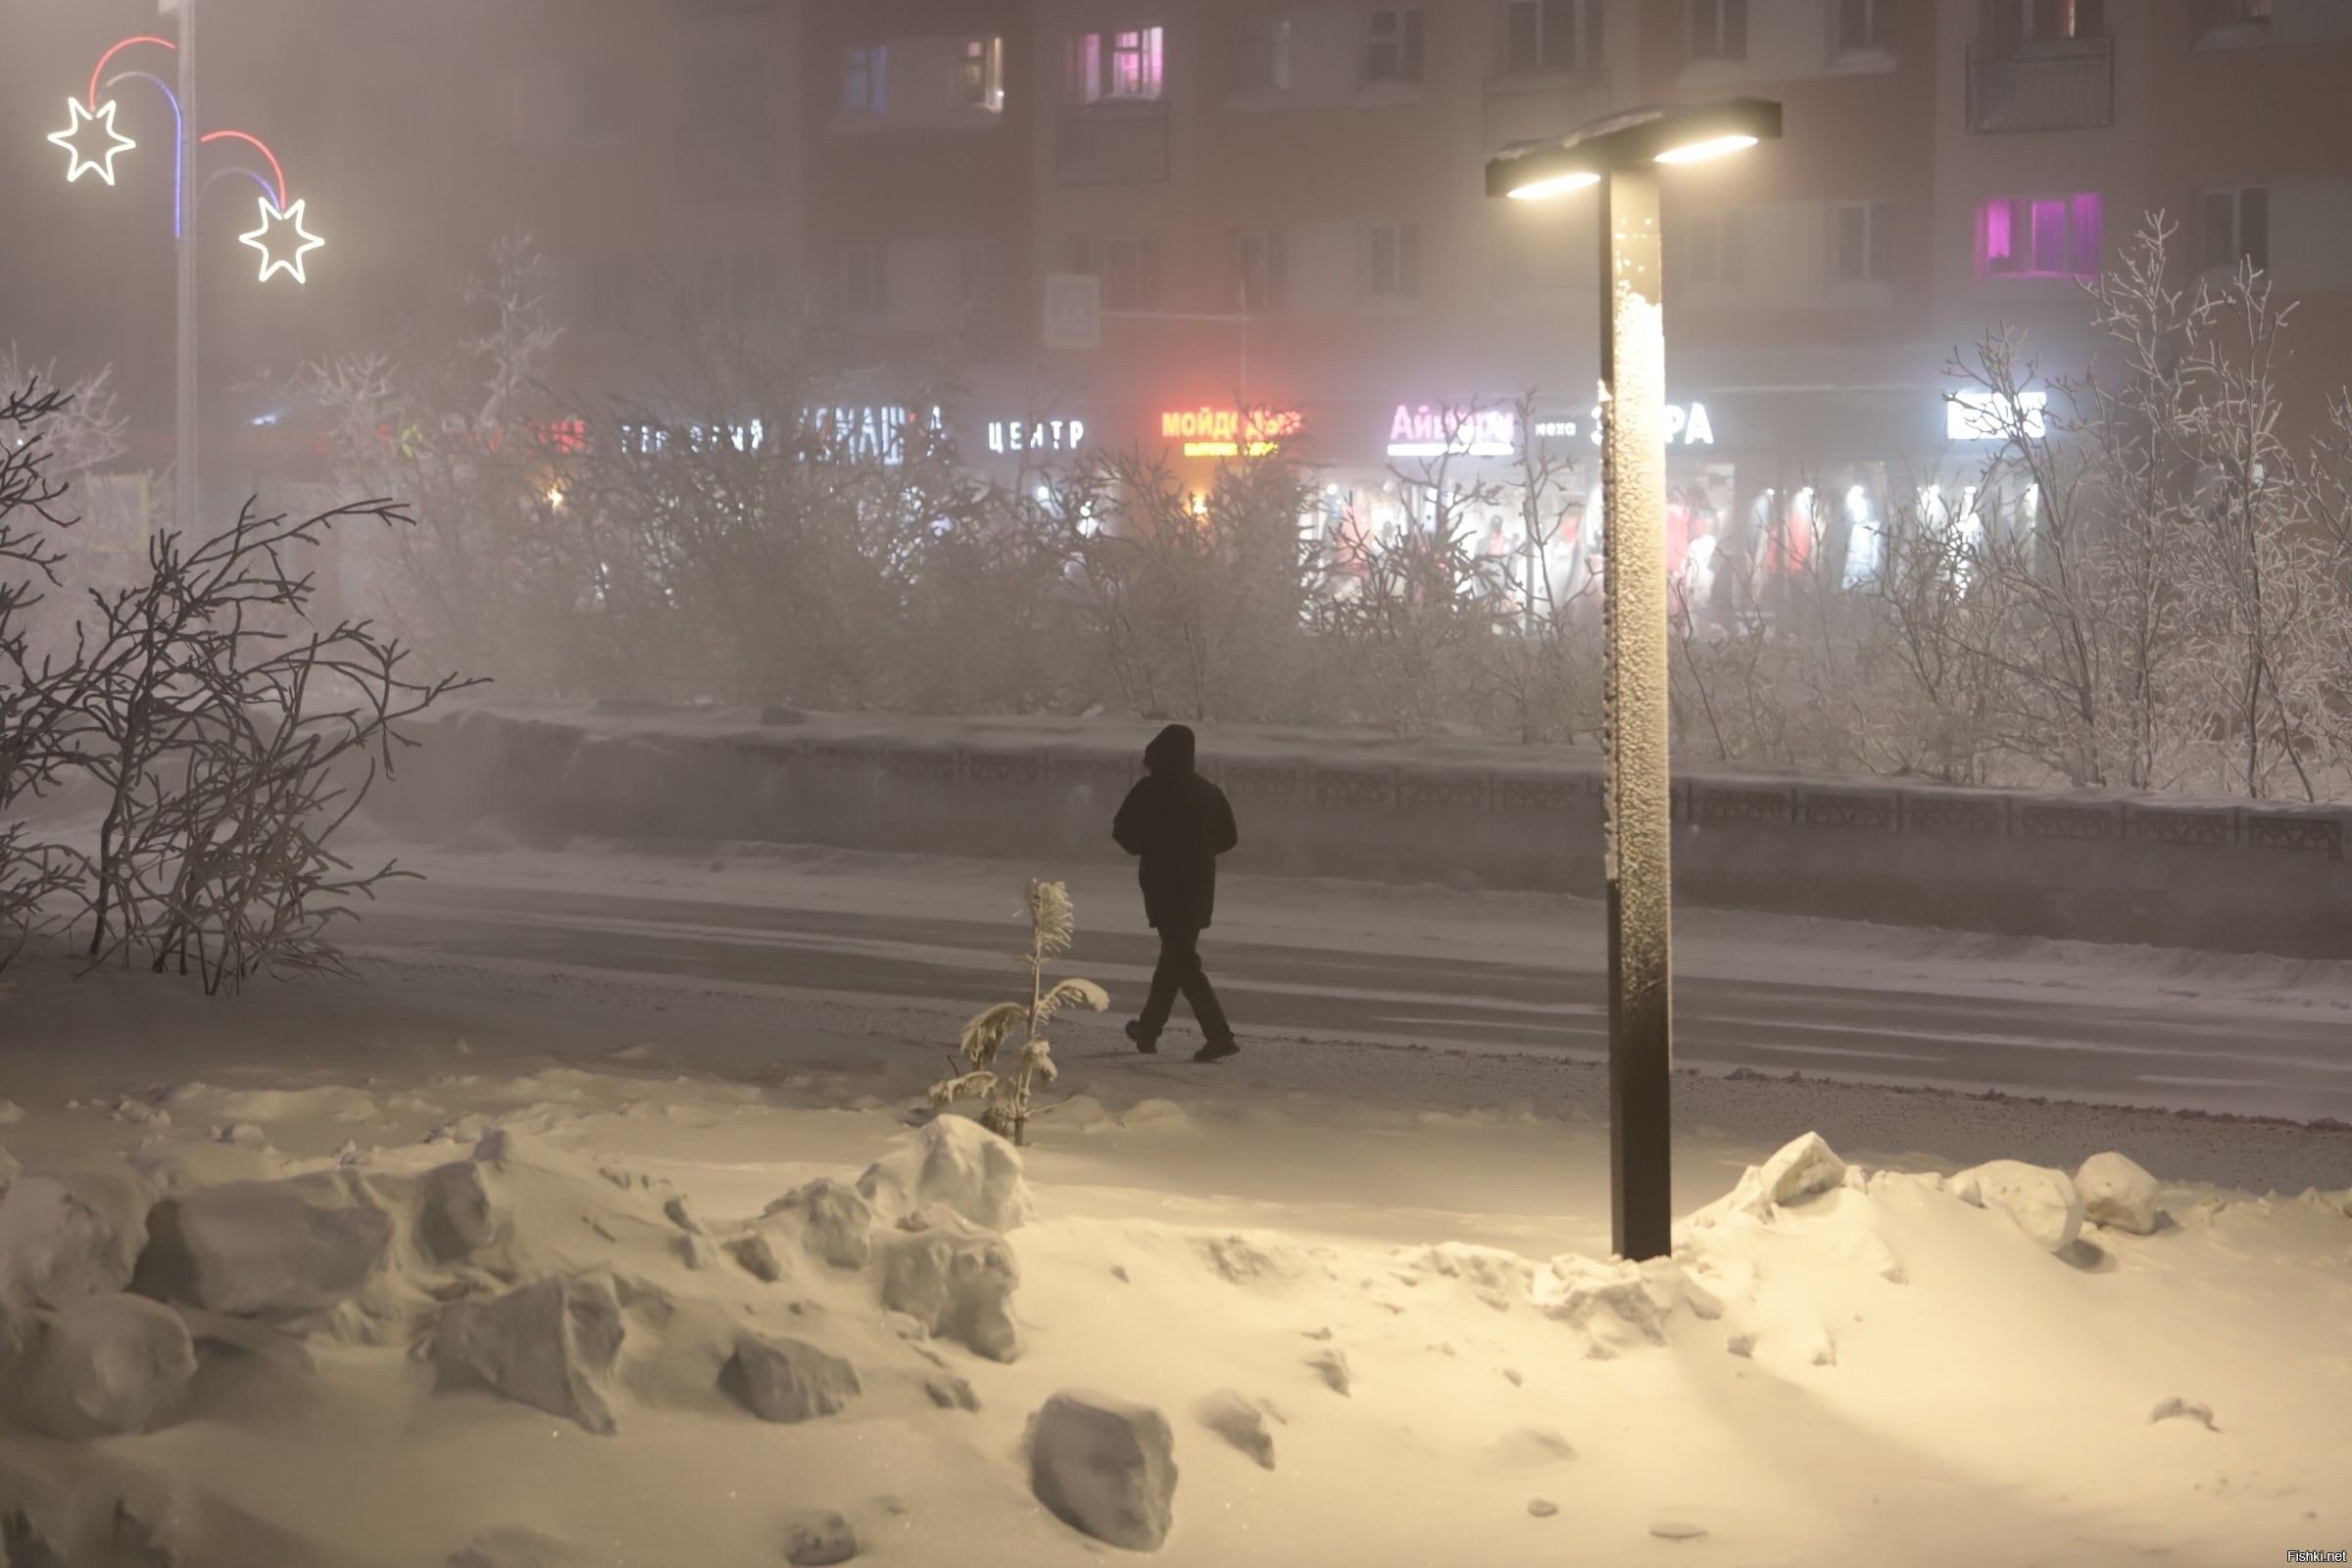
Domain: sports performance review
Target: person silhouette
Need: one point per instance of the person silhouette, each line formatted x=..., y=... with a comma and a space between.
x=1177, y=823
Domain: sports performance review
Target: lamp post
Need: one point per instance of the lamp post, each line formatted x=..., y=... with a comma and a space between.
x=1621, y=154
x=184, y=496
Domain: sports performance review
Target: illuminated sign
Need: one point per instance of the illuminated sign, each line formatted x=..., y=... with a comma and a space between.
x=1035, y=435
x=262, y=239
x=1979, y=415
x=81, y=159
x=872, y=432
x=1688, y=424
x=1424, y=431
x=1228, y=433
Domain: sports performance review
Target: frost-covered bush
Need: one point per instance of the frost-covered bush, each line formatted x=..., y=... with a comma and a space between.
x=1004, y=1084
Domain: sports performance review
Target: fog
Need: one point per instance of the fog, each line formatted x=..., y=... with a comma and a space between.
x=1655, y=702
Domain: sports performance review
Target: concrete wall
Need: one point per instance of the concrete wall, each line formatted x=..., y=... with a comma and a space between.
x=2218, y=875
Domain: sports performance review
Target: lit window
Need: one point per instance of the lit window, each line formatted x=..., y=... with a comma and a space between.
x=862, y=80
x=1542, y=38
x=1719, y=30
x=1394, y=262
x=1392, y=46
x=2237, y=228
x=1863, y=242
x=980, y=77
x=2039, y=236
x=1263, y=60
x=1115, y=65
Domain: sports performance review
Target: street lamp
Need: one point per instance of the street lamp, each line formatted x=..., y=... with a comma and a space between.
x=1621, y=154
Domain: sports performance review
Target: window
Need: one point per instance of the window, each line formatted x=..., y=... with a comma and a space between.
x=1127, y=264
x=1394, y=262
x=1862, y=242
x=605, y=100
x=1263, y=62
x=1714, y=247
x=1862, y=25
x=857, y=282
x=2043, y=20
x=2237, y=228
x=752, y=282
x=1392, y=46
x=1541, y=37
x=1262, y=268
x=610, y=284
x=1115, y=65
x=976, y=278
x=1719, y=30
x=980, y=75
x=864, y=85
x=2039, y=236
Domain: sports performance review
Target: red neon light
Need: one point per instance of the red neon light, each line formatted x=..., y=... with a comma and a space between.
x=266, y=153
x=115, y=50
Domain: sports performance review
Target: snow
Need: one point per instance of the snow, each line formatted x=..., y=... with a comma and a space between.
x=1365, y=1287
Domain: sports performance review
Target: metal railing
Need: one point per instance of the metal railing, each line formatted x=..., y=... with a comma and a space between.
x=1531, y=107
x=1118, y=142
x=2061, y=85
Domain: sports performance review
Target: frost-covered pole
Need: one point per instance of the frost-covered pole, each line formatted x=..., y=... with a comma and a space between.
x=1637, y=804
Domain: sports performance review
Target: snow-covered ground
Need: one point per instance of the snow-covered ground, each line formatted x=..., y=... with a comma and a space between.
x=1391, y=1262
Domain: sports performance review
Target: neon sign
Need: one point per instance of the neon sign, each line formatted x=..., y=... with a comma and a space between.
x=1424, y=431
x=1977, y=415
x=80, y=162
x=1035, y=435
x=1688, y=424
x=1228, y=433
x=274, y=218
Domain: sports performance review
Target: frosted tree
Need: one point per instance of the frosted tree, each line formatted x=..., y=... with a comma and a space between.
x=1005, y=1084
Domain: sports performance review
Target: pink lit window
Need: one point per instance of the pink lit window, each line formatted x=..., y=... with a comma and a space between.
x=2038, y=237
x=1115, y=65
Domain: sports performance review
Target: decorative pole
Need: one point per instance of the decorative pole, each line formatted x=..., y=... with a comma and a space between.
x=185, y=497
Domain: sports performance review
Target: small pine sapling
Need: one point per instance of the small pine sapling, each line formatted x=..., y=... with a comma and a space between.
x=1007, y=1089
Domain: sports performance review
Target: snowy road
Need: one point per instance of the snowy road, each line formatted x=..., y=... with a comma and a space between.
x=1490, y=974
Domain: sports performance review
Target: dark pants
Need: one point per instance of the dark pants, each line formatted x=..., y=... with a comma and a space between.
x=1179, y=969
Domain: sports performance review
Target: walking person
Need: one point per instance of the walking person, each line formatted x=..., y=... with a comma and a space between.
x=1178, y=823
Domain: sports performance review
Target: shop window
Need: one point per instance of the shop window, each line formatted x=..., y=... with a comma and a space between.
x=980, y=75
x=2016, y=21
x=1112, y=66
x=1719, y=30
x=1263, y=62
x=863, y=87
x=1393, y=257
x=976, y=270
x=1546, y=37
x=1714, y=247
x=1862, y=249
x=1262, y=267
x=1392, y=46
x=2039, y=236
x=857, y=282
x=2237, y=228
x=1861, y=26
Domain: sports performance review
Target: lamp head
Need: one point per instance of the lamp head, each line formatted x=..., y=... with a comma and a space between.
x=1671, y=134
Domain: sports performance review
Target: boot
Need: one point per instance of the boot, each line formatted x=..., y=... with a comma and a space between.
x=1218, y=1049
x=1149, y=1045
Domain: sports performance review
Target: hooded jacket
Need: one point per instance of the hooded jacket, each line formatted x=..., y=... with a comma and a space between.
x=1178, y=823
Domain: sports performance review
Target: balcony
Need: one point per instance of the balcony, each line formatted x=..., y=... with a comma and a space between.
x=1115, y=142
x=1534, y=108
x=729, y=165
x=2062, y=84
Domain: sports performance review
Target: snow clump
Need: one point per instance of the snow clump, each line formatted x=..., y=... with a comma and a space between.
x=1104, y=1467
x=2117, y=1193
x=2044, y=1203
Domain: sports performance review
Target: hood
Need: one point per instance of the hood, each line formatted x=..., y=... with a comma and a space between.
x=1170, y=751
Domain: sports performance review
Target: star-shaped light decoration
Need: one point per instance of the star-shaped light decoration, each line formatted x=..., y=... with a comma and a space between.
x=273, y=220
x=73, y=140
